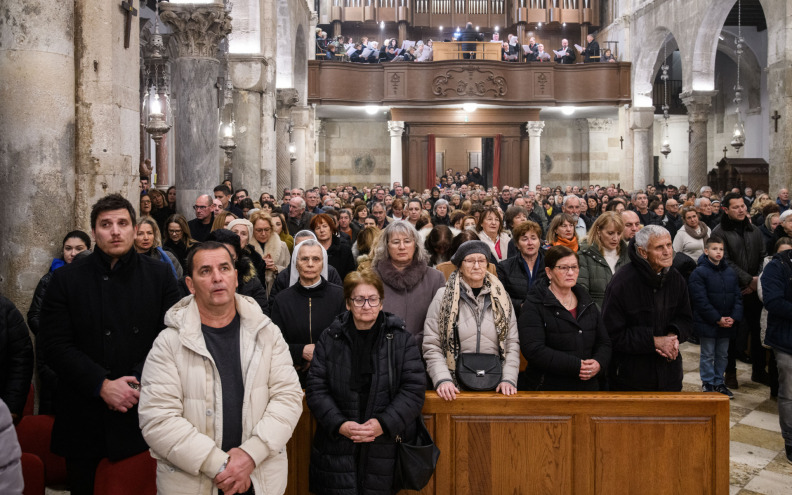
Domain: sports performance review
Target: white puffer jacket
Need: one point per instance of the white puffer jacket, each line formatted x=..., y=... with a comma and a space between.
x=181, y=402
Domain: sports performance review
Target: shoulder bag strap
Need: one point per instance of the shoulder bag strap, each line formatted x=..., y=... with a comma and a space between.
x=389, y=338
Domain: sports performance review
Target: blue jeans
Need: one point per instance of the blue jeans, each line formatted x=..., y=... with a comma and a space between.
x=784, y=361
x=714, y=356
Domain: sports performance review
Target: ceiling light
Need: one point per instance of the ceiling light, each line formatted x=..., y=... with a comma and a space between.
x=469, y=107
x=372, y=109
x=567, y=110
x=497, y=28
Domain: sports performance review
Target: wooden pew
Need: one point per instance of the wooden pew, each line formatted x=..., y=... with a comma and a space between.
x=556, y=442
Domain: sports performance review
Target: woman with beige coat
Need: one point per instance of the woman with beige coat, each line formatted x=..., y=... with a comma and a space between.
x=473, y=313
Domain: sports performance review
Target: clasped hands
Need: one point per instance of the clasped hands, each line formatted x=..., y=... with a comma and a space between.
x=588, y=369
x=361, y=433
x=667, y=346
x=235, y=478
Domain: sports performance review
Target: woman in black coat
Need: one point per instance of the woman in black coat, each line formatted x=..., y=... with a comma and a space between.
x=561, y=332
x=308, y=306
x=519, y=273
x=339, y=253
x=348, y=392
x=16, y=358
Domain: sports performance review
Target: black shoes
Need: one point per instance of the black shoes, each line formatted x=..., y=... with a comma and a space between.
x=707, y=387
x=730, y=378
x=721, y=389
x=761, y=377
x=789, y=453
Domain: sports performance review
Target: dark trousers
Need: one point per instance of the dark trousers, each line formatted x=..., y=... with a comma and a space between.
x=748, y=331
x=82, y=474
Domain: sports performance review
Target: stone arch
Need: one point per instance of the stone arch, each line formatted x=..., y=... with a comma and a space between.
x=301, y=64
x=707, y=42
x=285, y=55
x=647, y=63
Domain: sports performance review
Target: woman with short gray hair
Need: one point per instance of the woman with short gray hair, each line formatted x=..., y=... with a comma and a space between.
x=410, y=283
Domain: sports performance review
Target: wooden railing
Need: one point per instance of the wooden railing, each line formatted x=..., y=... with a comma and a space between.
x=663, y=443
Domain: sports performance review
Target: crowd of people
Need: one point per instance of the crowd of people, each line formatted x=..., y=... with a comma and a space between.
x=366, y=297
x=364, y=50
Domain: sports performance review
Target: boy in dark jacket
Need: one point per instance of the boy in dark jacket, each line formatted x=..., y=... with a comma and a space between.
x=717, y=306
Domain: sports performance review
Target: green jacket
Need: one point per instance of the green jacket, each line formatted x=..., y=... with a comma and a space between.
x=595, y=274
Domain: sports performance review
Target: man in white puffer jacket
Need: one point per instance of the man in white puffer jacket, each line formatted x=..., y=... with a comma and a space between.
x=219, y=394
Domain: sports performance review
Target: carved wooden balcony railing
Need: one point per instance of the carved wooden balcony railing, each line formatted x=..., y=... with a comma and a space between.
x=485, y=13
x=450, y=82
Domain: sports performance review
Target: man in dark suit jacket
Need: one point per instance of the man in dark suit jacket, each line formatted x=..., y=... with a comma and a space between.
x=592, y=51
x=569, y=53
x=99, y=319
x=533, y=49
x=469, y=34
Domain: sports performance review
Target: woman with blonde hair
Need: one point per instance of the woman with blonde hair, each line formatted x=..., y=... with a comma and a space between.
x=148, y=241
x=490, y=230
x=366, y=240
x=222, y=219
x=602, y=253
x=273, y=252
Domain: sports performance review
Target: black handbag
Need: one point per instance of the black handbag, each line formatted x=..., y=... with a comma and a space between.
x=416, y=460
x=475, y=371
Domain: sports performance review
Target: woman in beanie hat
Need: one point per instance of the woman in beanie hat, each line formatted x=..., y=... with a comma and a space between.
x=471, y=314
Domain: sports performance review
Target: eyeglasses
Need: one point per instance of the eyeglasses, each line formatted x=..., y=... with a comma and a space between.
x=262, y=231
x=402, y=242
x=174, y=232
x=567, y=268
x=478, y=261
x=361, y=301
x=199, y=207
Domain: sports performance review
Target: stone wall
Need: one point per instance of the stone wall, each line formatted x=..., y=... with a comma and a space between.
x=355, y=152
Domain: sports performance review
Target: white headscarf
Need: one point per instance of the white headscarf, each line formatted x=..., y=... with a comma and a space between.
x=251, y=240
x=294, y=277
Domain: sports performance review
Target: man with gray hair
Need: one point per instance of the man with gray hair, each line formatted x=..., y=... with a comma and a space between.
x=573, y=205
x=705, y=192
x=647, y=313
x=704, y=208
x=299, y=219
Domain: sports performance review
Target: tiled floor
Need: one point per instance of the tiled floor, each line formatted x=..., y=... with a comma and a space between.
x=757, y=459
x=758, y=464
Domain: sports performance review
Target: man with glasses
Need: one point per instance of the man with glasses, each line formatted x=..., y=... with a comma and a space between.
x=201, y=225
x=647, y=313
x=671, y=220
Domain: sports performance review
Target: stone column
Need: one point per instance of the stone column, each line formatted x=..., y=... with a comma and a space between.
x=599, y=166
x=534, y=129
x=197, y=31
x=300, y=122
x=699, y=105
x=248, y=74
x=396, y=129
x=641, y=122
x=107, y=153
x=779, y=86
x=320, y=157
x=37, y=127
x=286, y=100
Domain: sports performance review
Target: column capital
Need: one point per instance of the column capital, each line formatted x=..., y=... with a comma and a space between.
x=600, y=125
x=535, y=128
x=699, y=104
x=396, y=128
x=287, y=97
x=197, y=28
x=319, y=127
x=301, y=117
x=641, y=118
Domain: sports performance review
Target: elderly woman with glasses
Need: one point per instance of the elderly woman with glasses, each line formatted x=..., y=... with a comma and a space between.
x=401, y=261
x=471, y=325
x=561, y=332
x=358, y=414
x=308, y=306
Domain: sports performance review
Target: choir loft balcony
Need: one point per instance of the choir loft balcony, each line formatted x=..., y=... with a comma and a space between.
x=450, y=82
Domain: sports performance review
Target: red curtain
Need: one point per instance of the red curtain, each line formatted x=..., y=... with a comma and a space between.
x=496, y=155
x=430, y=163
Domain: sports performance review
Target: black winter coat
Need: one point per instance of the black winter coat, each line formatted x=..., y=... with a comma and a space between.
x=16, y=357
x=516, y=280
x=744, y=245
x=284, y=277
x=640, y=305
x=99, y=323
x=339, y=466
x=302, y=314
x=339, y=256
x=777, y=291
x=714, y=293
x=554, y=342
x=47, y=378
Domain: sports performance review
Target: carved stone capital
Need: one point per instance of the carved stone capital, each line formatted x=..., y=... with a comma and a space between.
x=641, y=118
x=582, y=125
x=197, y=28
x=301, y=117
x=249, y=72
x=319, y=127
x=600, y=125
x=699, y=105
x=396, y=128
x=535, y=128
x=288, y=97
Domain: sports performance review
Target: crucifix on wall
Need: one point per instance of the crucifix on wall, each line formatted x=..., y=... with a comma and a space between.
x=775, y=117
x=690, y=133
x=130, y=12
